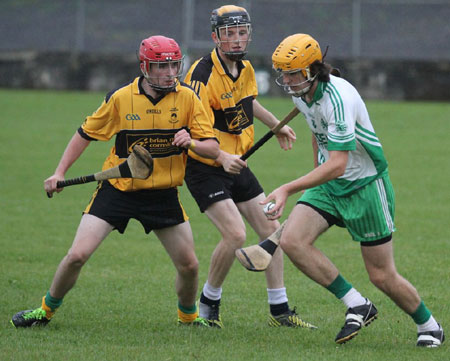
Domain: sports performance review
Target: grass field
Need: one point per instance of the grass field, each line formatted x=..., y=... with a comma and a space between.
x=124, y=305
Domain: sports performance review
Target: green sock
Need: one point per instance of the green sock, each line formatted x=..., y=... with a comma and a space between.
x=188, y=310
x=421, y=315
x=339, y=287
x=52, y=302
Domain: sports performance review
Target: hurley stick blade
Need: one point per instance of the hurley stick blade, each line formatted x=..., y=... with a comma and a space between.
x=254, y=258
x=257, y=258
x=140, y=163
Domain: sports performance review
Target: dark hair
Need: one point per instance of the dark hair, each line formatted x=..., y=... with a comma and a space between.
x=323, y=71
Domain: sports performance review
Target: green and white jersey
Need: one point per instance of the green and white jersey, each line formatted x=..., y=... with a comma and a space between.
x=339, y=120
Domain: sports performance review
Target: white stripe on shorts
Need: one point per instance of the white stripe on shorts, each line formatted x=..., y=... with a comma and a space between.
x=384, y=204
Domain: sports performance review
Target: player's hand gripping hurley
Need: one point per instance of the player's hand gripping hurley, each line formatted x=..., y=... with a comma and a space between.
x=139, y=165
x=270, y=133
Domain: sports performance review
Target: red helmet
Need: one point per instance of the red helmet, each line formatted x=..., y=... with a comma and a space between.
x=160, y=51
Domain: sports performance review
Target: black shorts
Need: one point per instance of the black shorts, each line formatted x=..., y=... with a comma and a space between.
x=209, y=184
x=155, y=209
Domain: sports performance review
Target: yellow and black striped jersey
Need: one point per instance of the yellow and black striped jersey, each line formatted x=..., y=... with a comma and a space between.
x=136, y=118
x=228, y=100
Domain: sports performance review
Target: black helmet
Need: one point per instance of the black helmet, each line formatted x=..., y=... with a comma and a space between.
x=229, y=15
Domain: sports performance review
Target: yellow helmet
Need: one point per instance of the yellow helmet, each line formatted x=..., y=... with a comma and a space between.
x=296, y=52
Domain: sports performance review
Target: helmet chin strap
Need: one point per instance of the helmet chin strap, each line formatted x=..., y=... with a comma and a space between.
x=235, y=56
x=160, y=89
x=232, y=56
x=304, y=91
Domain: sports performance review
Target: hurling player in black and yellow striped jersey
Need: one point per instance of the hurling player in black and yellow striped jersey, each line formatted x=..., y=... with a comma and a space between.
x=225, y=188
x=166, y=117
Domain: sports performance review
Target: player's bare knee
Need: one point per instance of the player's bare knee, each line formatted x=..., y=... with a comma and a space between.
x=189, y=268
x=382, y=279
x=285, y=245
x=76, y=258
x=235, y=238
x=290, y=245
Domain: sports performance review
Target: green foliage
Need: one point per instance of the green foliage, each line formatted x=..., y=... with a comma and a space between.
x=124, y=305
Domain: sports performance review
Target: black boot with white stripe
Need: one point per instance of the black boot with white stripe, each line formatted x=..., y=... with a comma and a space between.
x=355, y=318
x=431, y=338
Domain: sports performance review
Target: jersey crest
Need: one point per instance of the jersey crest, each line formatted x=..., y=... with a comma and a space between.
x=236, y=119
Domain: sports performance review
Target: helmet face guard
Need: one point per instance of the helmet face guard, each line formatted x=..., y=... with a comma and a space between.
x=243, y=34
x=288, y=88
x=161, y=63
x=232, y=24
x=162, y=76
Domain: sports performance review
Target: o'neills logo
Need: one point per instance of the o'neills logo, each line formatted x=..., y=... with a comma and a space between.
x=153, y=111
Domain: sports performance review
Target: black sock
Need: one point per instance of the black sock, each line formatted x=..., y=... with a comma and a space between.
x=276, y=310
x=206, y=301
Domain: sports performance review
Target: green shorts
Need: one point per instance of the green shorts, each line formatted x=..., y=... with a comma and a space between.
x=368, y=213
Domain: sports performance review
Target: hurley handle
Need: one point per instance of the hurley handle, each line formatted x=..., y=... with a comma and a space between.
x=293, y=113
x=73, y=181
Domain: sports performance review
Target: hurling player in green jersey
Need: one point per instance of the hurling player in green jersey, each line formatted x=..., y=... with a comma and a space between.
x=349, y=187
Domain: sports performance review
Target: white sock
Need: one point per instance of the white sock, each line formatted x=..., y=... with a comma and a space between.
x=276, y=296
x=213, y=293
x=430, y=325
x=353, y=299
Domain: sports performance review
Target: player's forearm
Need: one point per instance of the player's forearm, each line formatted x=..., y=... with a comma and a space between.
x=74, y=149
x=222, y=157
x=264, y=115
x=320, y=175
x=208, y=148
x=315, y=148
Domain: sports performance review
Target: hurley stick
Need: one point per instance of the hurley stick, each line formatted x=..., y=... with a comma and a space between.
x=139, y=165
x=258, y=257
x=271, y=133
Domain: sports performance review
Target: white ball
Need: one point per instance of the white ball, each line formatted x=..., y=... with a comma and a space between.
x=268, y=209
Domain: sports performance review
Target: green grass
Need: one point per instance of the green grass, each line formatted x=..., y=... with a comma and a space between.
x=124, y=305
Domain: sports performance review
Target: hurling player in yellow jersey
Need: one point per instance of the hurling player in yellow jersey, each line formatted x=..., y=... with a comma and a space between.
x=225, y=188
x=158, y=112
